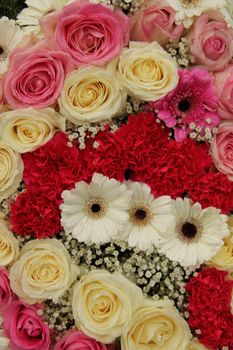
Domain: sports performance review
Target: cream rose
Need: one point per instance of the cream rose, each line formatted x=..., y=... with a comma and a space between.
x=9, y=245
x=27, y=129
x=44, y=271
x=156, y=325
x=4, y=341
x=147, y=71
x=223, y=260
x=11, y=170
x=195, y=345
x=90, y=95
x=104, y=303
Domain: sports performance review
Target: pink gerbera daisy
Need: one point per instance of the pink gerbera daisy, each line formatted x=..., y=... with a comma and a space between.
x=191, y=108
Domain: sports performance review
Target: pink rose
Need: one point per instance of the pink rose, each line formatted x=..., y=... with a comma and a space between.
x=155, y=21
x=77, y=340
x=25, y=328
x=89, y=33
x=211, y=41
x=35, y=78
x=222, y=149
x=224, y=91
x=6, y=294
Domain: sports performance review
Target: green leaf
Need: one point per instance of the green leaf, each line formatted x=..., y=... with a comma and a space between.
x=11, y=8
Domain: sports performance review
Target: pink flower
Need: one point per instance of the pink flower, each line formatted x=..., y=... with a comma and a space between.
x=89, y=33
x=211, y=41
x=222, y=149
x=6, y=294
x=155, y=21
x=224, y=90
x=192, y=103
x=1, y=93
x=25, y=327
x=35, y=77
x=77, y=340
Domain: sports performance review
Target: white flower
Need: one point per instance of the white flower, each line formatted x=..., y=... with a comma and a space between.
x=147, y=71
x=197, y=235
x=148, y=217
x=30, y=16
x=27, y=129
x=186, y=10
x=11, y=170
x=10, y=37
x=43, y=271
x=103, y=304
x=95, y=212
x=91, y=94
x=4, y=341
x=227, y=12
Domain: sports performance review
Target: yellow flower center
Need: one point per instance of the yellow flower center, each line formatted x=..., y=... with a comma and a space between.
x=96, y=208
x=140, y=215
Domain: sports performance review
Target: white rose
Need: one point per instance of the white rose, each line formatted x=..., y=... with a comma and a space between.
x=11, y=170
x=91, y=94
x=26, y=129
x=44, y=271
x=4, y=341
x=9, y=245
x=156, y=325
x=147, y=71
x=103, y=304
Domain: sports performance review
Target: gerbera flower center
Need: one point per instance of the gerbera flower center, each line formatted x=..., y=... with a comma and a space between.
x=190, y=3
x=96, y=208
x=189, y=230
x=184, y=105
x=140, y=215
x=3, y=52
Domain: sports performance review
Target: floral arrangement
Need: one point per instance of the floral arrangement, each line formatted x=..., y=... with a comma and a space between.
x=116, y=175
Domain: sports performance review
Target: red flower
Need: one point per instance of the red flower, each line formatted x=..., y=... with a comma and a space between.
x=54, y=165
x=209, y=308
x=168, y=167
x=142, y=138
x=214, y=189
x=36, y=213
x=109, y=158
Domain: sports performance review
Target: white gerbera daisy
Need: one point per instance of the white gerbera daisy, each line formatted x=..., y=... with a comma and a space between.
x=186, y=10
x=197, y=235
x=30, y=16
x=95, y=212
x=148, y=217
x=10, y=37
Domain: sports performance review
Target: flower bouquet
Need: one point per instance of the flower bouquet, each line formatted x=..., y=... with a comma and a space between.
x=116, y=175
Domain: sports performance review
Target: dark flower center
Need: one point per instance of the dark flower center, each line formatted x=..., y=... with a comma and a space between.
x=1, y=50
x=189, y=230
x=128, y=174
x=184, y=105
x=140, y=214
x=95, y=208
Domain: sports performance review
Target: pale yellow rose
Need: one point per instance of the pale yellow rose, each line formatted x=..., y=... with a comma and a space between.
x=11, y=170
x=223, y=260
x=27, y=129
x=104, y=303
x=147, y=71
x=156, y=325
x=44, y=271
x=91, y=94
x=195, y=345
x=9, y=245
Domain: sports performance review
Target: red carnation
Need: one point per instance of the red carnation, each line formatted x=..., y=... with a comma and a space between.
x=54, y=165
x=213, y=189
x=209, y=308
x=36, y=213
